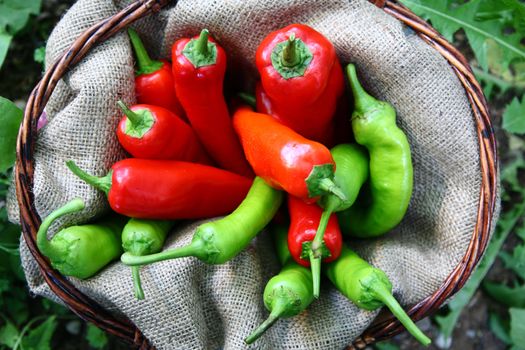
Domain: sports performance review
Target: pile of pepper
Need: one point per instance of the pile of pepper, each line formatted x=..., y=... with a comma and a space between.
x=192, y=157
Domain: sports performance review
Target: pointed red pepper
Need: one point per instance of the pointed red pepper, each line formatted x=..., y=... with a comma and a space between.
x=168, y=189
x=304, y=220
x=283, y=158
x=199, y=66
x=152, y=132
x=301, y=80
x=153, y=80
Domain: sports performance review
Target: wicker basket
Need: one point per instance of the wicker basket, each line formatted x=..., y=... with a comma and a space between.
x=382, y=329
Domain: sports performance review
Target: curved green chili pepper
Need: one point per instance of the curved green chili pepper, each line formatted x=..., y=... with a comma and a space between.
x=288, y=293
x=391, y=174
x=143, y=237
x=81, y=251
x=219, y=241
x=368, y=287
x=351, y=172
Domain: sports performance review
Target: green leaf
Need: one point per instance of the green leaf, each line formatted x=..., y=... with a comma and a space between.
x=448, y=19
x=96, y=337
x=5, y=41
x=517, y=326
x=516, y=261
x=39, y=338
x=506, y=224
x=500, y=328
x=514, y=116
x=512, y=297
x=15, y=14
x=40, y=54
x=10, y=119
x=8, y=334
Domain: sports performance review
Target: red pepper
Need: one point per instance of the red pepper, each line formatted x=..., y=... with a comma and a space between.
x=154, y=79
x=301, y=80
x=304, y=220
x=164, y=189
x=283, y=158
x=153, y=132
x=199, y=65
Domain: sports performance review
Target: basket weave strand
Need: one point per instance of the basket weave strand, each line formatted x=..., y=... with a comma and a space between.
x=90, y=311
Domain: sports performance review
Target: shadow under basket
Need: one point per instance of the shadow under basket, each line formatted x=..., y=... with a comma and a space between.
x=384, y=327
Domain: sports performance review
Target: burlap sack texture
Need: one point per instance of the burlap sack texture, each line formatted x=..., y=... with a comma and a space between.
x=192, y=305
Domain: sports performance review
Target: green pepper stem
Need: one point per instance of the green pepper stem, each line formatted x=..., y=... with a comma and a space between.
x=317, y=243
x=315, y=266
x=135, y=274
x=278, y=309
x=201, y=45
x=329, y=186
x=247, y=98
x=290, y=56
x=385, y=296
x=134, y=118
x=44, y=245
x=362, y=100
x=101, y=183
x=145, y=64
x=195, y=248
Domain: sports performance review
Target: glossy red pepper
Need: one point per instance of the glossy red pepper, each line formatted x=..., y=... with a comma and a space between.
x=154, y=79
x=304, y=220
x=164, y=189
x=301, y=80
x=153, y=132
x=199, y=65
x=283, y=158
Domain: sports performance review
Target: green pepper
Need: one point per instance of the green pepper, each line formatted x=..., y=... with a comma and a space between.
x=219, y=241
x=391, y=174
x=288, y=293
x=351, y=172
x=142, y=237
x=81, y=251
x=368, y=287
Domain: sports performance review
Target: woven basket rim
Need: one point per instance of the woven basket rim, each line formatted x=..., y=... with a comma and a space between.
x=89, y=310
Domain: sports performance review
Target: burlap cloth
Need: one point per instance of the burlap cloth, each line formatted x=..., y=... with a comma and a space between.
x=191, y=305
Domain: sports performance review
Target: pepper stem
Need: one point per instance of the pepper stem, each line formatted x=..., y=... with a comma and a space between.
x=195, y=248
x=362, y=100
x=247, y=98
x=134, y=118
x=145, y=64
x=101, y=183
x=329, y=186
x=278, y=309
x=201, y=44
x=44, y=245
x=290, y=57
x=317, y=243
x=384, y=295
x=315, y=266
x=135, y=274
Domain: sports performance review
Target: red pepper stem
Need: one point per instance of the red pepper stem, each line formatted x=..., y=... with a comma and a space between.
x=101, y=183
x=362, y=100
x=145, y=64
x=201, y=45
x=195, y=248
x=135, y=273
x=329, y=186
x=317, y=243
x=315, y=266
x=383, y=294
x=45, y=247
x=278, y=309
x=247, y=98
x=290, y=56
x=134, y=118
